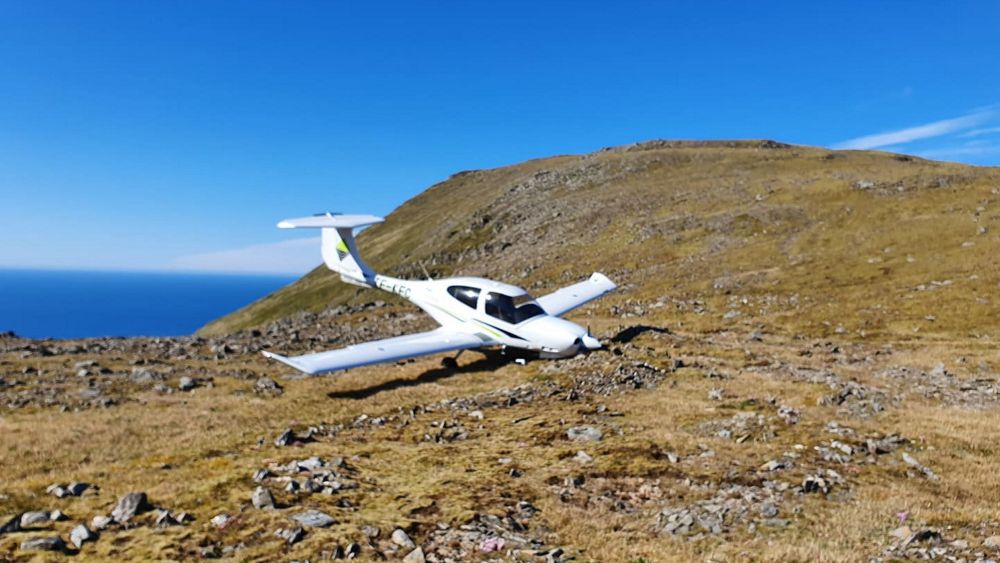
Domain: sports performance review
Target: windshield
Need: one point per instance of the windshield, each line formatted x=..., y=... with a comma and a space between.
x=467, y=295
x=512, y=310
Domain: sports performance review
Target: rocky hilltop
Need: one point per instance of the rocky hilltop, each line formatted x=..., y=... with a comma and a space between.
x=801, y=364
x=821, y=242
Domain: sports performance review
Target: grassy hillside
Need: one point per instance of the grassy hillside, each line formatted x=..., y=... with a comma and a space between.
x=800, y=365
x=858, y=243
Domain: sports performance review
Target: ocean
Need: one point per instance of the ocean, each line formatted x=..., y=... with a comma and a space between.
x=79, y=304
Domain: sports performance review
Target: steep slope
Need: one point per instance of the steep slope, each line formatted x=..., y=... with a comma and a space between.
x=862, y=244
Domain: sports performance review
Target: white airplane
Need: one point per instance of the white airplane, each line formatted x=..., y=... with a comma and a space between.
x=472, y=312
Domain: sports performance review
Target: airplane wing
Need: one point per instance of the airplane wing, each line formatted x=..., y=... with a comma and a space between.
x=377, y=351
x=568, y=298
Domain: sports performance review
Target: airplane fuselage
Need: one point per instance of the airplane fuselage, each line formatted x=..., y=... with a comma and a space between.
x=497, y=313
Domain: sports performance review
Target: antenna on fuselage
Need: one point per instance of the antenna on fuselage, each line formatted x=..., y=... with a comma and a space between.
x=422, y=267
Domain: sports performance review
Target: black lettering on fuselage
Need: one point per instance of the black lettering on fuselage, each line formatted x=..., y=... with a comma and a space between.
x=392, y=287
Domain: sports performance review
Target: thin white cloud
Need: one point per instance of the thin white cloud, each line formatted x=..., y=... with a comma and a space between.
x=968, y=150
x=980, y=132
x=296, y=256
x=910, y=134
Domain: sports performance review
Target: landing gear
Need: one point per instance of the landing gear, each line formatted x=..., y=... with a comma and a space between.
x=451, y=362
x=517, y=355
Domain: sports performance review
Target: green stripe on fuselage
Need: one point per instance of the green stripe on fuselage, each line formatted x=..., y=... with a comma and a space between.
x=484, y=326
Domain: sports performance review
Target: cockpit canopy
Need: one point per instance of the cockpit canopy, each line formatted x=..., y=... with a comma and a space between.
x=513, y=309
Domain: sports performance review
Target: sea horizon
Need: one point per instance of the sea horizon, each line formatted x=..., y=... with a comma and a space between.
x=82, y=303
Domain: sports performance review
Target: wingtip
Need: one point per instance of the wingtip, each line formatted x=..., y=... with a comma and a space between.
x=287, y=361
x=598, y=277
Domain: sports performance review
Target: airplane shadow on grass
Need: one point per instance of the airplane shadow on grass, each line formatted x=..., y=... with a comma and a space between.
x=631, y=333
x=493, y=359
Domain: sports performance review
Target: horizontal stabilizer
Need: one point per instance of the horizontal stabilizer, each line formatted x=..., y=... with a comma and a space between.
x=377, y=351
x=330, y=221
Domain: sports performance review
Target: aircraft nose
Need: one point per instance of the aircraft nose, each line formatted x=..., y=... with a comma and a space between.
x=590, y=343
x=558, y=335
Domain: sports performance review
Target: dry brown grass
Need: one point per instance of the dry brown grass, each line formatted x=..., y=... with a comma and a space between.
x=196, y=452
x=694, y=232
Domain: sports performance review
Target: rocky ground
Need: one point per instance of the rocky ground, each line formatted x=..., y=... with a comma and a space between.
x=663, y=446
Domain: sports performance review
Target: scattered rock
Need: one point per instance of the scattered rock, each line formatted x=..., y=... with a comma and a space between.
x=74, y=489
x=267, y=386
x=100, y=522
x=289, y=437
x=353, y=550
x=732, y=506
x=310, y=464
x=776, y=465
x=789, y=414
x=415, y=556
x=912, y=462
x=584, y=434
x=186, y=384
x=741, y=427
x=81, y=534
x=182, y=517
x=371, y=531
x=992, y=541
x=262, y=498
x=314, y=519
x=130, y=505
x=925, y=536
x=285, y=439
x=143, y=375
x=12, y=525
x=34, y=517
x=491, y=544
x=221, y=520
x=814, y=484
x=49, y=543
x=291, y=535
x=164, y=519
x=582, y=457
x=901, y=533
x=210, y=552
x=400, y=538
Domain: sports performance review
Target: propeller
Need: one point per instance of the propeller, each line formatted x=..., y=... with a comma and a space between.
x=589, y=342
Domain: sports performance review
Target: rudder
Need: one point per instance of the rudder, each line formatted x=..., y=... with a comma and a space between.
x=339, y=250
x=340, y=253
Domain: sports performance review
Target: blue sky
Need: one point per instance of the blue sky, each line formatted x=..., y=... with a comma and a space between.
x=174, y=135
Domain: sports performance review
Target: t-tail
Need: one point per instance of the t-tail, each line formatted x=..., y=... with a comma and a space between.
x=338, y=247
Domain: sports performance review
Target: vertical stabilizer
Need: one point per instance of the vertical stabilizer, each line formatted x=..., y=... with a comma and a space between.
x=340, y=252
